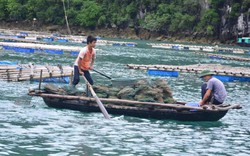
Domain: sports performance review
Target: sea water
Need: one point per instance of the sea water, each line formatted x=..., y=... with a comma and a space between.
x=29, y=127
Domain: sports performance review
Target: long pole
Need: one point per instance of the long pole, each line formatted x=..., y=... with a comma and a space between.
x=66, y=18
x=102, y=74
x=102, y=108
x=40, y=79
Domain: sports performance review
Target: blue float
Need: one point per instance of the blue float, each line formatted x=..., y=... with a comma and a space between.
x=163, y=73
x=8, y=47
x=130, y=45
x=50, y=51
x=48, y=39
x=74, y=52
x=23, y=33
x=24, y=50
x=216, y=57
x=8, y=63
x=63, y=79
x=39, y=50
x=63, y=40
x=8, y=40
x=20, y=36
x=56, y=35
x=226, y=78
x=175, y=47
x=116, y=44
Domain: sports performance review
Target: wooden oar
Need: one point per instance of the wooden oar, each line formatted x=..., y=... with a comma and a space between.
x=102, y=74
x=102, y=108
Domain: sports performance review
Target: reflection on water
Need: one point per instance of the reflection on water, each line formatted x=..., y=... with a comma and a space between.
x=31, y=128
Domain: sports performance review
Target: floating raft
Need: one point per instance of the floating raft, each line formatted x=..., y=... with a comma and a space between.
x=198, y=48
x=37, y=37
x=116, y=43
x=12, y=39
x=224, y=73
x=32, y=47
x=32, y=36
x=226, y=57
x=25, y=72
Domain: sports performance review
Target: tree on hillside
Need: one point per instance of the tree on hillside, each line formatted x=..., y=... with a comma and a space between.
x=16, y=10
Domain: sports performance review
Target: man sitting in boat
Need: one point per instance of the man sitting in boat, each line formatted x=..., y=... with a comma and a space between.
x=213, y=91
x=85, y=61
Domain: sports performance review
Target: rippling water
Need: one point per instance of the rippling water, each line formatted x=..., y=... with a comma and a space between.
x=29, y=127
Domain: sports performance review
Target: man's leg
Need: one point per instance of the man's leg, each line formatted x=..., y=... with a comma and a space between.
x=88, y=77
x=90, y=80
x=76, y=76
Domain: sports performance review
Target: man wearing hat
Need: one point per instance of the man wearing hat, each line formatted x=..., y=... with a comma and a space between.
x=213, y=91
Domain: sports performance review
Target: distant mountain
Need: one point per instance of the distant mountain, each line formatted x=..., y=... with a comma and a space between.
x=223, y=20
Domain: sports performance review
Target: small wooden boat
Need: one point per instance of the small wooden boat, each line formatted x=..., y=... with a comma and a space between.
x=163, y=111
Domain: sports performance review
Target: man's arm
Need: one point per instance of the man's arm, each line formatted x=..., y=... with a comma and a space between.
x=206, y=96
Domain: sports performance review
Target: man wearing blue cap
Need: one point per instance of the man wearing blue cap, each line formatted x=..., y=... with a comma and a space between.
x=213, y=91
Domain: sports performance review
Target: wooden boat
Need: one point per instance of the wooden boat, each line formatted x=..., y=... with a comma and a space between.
x=137, y=109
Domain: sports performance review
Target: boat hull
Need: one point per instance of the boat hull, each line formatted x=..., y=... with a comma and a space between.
x=142, y=112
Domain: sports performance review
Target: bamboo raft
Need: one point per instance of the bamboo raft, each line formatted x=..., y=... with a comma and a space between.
x=116, y=43
x=38, y=38
x=33, y=36
x=25, y=72
x=177, y=111
x=198, y=48
x=4, y=38
x=41, y=46
x=226, y=57
x=197, y=68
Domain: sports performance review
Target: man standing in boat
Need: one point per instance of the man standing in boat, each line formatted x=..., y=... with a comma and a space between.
x=85, y=61
x=213, y=91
